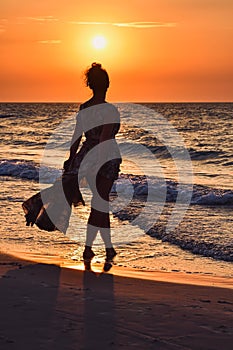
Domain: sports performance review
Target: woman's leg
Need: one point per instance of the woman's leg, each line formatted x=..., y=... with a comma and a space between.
x=99, y=216
x=91, y=235
x=99, y=220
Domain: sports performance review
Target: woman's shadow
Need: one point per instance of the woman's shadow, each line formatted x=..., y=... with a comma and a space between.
x=99, y=314
x=38, y=302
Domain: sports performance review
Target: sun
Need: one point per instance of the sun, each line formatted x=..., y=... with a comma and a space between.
x=99, y=42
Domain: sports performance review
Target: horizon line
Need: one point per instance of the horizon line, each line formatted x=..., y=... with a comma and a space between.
x=180, y=101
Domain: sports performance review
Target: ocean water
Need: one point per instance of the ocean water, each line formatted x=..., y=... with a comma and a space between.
x=172, y=204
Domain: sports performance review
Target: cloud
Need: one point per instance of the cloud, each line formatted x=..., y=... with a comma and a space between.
x=90, y=23
x=144, y=24
x=3, y=23
x=42, y=19
x=49, y=41
x=130, y=24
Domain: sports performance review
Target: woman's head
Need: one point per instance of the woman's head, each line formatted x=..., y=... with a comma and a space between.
x=97, y=78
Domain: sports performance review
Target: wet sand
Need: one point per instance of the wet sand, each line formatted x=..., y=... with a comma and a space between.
x=46, y=304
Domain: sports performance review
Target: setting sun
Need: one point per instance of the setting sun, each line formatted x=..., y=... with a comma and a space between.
x=99, y=42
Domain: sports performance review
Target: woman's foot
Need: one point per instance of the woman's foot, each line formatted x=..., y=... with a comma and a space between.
x=88, y=255
x=110, y=255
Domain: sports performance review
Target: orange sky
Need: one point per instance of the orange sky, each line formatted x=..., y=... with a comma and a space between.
x=157, y=50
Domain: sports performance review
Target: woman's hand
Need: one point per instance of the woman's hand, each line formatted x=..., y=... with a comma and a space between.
x=67, y=164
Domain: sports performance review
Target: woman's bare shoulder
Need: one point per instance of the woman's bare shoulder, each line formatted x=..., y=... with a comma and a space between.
x=84, y=105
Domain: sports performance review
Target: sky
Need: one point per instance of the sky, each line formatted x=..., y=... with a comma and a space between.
x=156, y=50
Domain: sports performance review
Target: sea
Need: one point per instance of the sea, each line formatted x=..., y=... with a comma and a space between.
x=171, y=207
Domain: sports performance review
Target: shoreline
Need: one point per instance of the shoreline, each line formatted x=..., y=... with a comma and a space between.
x=177, y=277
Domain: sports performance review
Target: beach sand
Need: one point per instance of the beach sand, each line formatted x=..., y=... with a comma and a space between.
x=46, y=304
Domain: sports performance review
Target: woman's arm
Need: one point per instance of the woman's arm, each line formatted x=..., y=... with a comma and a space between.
x=74, y=145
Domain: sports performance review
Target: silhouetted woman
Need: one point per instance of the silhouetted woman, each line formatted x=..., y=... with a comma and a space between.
x=98, y=159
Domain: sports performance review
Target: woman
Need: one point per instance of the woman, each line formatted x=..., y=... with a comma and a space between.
x=98, y=159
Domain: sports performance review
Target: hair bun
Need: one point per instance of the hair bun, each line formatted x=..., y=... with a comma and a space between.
x=96, y=65
x=96, y=77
